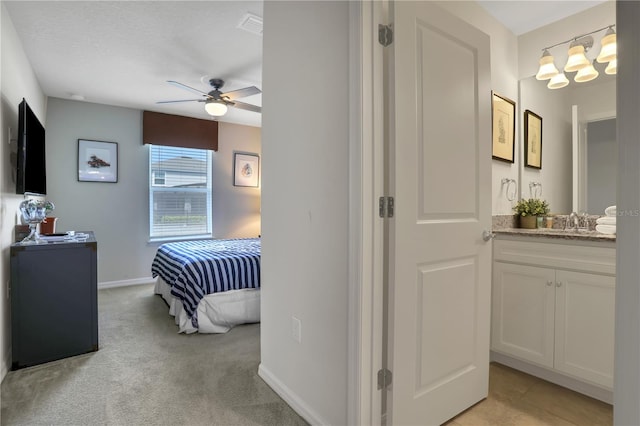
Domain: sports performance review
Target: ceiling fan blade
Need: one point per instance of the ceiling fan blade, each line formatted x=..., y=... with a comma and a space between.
x=245, y=106
x=241, y=93
x=184, y=86
x=183, y=100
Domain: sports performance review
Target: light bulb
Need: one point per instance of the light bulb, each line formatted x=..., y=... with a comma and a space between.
x=577, y=59
x=558, y=81
x=587, y=73
x=547, y=67
x=609, y=47
x=215, y=108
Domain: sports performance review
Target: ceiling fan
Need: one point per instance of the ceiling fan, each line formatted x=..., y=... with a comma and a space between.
x=216, y=102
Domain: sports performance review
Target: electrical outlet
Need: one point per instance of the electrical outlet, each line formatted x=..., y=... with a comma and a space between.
x=296, y=329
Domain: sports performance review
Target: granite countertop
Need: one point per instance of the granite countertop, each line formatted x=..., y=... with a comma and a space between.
x=507, y=225
x=557, y=233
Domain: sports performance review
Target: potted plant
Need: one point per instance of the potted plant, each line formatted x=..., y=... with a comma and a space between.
x=529, y=209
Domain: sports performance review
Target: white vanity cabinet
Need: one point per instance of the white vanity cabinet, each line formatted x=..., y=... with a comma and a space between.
x=553, y=306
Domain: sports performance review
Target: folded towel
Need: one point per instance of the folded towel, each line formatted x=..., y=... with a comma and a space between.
x=606, y=229
x=611, y=211
x=606, y=220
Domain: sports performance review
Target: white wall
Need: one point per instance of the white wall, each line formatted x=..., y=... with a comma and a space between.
x=118, y=212
x=626, y=391
x=305, y=131
x=17, y=81
x=504, y=81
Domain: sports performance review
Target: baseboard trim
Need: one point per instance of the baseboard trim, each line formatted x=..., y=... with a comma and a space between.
x=126, y=283
x=291, y=398
x=4, y=369
x=558, y=378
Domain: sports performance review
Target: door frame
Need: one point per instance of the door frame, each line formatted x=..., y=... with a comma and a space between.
x=366, y=237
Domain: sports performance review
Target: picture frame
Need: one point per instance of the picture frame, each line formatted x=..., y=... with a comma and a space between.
x=503, y=124
x=532, y=140
x=246, y=169
x=97, y=161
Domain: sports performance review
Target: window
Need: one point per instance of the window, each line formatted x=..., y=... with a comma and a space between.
x=179, y=192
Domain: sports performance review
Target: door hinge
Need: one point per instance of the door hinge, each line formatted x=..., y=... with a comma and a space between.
x=385, y=206
x=385, y=34
x=384, y=378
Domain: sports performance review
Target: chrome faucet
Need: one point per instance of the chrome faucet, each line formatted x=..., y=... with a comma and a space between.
x=572, y=222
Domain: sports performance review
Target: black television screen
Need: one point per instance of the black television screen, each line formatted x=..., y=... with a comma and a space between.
x=31, y=174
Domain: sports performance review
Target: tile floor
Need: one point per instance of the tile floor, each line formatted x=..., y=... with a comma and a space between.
x=518, y=399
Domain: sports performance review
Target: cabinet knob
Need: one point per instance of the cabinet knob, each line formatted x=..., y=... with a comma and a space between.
x=549, y=283
x=559, y=284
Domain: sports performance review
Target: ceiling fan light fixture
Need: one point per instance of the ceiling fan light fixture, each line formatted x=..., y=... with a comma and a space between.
x=215, y=108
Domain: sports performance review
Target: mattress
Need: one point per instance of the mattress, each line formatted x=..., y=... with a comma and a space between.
x=217, y=312
x=194, y=269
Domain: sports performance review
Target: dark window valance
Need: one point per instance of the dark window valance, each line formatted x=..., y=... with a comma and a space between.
x=175, y=130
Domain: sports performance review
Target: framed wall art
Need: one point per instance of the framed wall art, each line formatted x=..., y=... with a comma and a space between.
x=246, y=169
x=503, y=116
x=532, y=140
x=97, y=161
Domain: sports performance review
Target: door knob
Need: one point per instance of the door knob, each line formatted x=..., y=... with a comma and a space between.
x=487, y=235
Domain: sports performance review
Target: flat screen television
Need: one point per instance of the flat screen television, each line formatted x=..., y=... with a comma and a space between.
x=31, y=176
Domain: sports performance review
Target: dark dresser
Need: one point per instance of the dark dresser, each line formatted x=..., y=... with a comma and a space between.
x=54, y=309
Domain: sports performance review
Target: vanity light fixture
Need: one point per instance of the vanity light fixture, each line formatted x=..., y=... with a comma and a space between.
x=558, y=81
x=578, y=61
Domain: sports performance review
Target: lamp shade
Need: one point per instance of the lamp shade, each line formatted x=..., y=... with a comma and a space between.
x=612, y=68
x=609, y=47
x=577, y=59
x=547, y=67
x=558, y=81
x=587, y=73
x=215, y=108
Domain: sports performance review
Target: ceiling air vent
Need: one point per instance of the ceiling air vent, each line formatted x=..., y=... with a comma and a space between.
x=251, y=23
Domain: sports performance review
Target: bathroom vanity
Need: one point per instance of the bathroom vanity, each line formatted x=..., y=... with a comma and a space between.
x=553, y=306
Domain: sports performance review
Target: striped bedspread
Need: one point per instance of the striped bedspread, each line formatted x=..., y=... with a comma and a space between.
x=194, y=269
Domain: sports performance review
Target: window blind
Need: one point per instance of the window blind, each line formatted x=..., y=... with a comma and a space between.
x=179, y=192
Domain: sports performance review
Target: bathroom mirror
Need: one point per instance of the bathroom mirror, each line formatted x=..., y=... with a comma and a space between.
x=578, y=144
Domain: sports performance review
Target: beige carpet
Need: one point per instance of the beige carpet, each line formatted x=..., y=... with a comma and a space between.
x=145, y=373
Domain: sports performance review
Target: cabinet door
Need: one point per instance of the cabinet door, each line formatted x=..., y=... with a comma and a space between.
x=585, y=311
x=523, y=312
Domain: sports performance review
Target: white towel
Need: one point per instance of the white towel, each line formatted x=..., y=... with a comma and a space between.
x=606, y=229
x=611, y=211
x=606, y=220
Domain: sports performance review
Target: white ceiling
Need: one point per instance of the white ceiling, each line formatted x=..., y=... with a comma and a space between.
x=522, y=16
x=123, y=52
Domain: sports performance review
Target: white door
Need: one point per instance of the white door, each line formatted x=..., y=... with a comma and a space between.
x=440, y=172
x=523, y=312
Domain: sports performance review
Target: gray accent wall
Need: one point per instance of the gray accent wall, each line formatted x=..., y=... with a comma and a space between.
x=118, y=213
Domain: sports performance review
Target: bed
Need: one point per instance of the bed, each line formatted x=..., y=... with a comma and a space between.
x=209, y=285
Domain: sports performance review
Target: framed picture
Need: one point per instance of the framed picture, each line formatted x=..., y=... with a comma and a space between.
x=97, y=161
x=532, y=140
x=503, y=116
x=246, y=169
